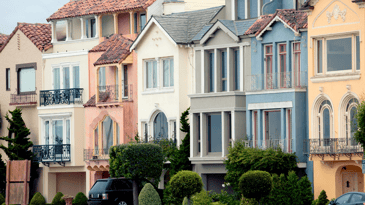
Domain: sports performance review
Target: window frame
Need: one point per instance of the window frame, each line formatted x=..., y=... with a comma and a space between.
x=267, y=86
x=7, y=79
x=296, y=71
x=169, y=74
x=51, y=121
x=72, y=78
x=208, y=131
x=282, y=75
x=19, y=67
x=99, y=126
x=159, y=75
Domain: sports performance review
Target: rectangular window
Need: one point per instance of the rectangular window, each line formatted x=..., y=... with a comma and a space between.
x=66, y=77
x=125, y=70
x=282, y=66
x=26, y=80
x=57, y=132
x=272, y=128
x=357, y=53
x=198, y=118
x=319, y=56
x=151, y=71
x=46, y=132
x=135, y=23
x=215, y=133
x=237, y=69
x=92, y=28
x=224, y=71
x=102, y=76
x=211, y=72
x=7, y=73
x=296, y=64
x=76, y=76
x=107, y=134
x=142, y=19
x=56, y=78
x=96, y=139
x=168, y=72
x=269, y=78
x=68, y=132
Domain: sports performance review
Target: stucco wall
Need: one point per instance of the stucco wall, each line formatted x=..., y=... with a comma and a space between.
x=124, y=23
x=202, y=4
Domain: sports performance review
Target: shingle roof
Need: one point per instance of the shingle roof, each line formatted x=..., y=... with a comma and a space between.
x=39, y=34
x=294, y=18
x=116, y=50
x=3, y=38
x=238, y=27
x=184, y=26
x=202, y=32
x=76, y=8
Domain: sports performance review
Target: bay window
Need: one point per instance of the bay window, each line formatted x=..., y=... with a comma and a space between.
x=57, y=131
x=66, y=76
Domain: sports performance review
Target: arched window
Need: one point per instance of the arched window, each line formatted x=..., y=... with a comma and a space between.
x=160, y=127
x=106, y=134
x=325, y=123
x=351, y=122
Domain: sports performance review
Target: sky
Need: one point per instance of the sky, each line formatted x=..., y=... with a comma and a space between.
x=28, y=11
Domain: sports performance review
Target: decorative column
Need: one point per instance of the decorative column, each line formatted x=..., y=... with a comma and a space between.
x=131, y=24
x=54, y=36
x=83, y=28
x=115, y=23
x=99, y=32
x=97, y=85
x=120, y=83
x=242, y=70
x=68, y=31
x=216, y=73
x=203, y=135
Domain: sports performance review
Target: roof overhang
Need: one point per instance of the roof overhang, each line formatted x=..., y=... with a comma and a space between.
x=145, y=30
x=218, y=25
x=269, y=28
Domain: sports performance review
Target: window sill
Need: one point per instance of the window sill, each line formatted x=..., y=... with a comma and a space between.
x=335, y=77
x=158, y=91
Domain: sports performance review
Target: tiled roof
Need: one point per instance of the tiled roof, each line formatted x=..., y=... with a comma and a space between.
x=238, y=27
x=103, y=97
x=184, y=26
x=116, y=50
x=202, y=32
x=294, y=18
x=39, y=34
x=3, y=38
x=76, y=8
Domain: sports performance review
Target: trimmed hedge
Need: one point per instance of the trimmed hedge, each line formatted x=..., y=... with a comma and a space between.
x=255, y=184
x=149, y=195
x=202, y=198
x=57, y=200
x=80, y=199
x=185, y=184
x=37, y=199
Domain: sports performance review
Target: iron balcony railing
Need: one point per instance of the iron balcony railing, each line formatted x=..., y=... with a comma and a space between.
x=332, y=146
x=286, y=145
x=23, y=99
x=271, y=81
x=96, y=154
x=52, y=153
x=61, y=96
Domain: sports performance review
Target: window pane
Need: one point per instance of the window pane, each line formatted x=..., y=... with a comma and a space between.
x=339, y=54
x=7, y=78
x=66, y=77
x=96, y=138
x=149, y=71
x=172, y=72
x=319, y=56
x=135, y=23
x=155, y=74
x=107, y=134
x=241, y=9
x=215, y=133
x=353, y=121
x=27, y=80
x=125, y=80
x=58, y=132
x=143, y=21
x=117, y=131
x=224, y=71
x=166, y=73
x=357, y=53
x=68, y=132
x=102, y=76
x=326, y=124
x=211, y=72
x=343, y=199
x=160, y=126
x=76, y=76
x=356, y=198
x=237, y=69
x=93, y=28
x=46, y=132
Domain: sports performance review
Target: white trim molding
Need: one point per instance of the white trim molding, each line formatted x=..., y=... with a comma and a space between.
x=269, y=28
x=65, y=54
x=55, y=115
x=331, y=78
x=272, y=105
x=218, y=25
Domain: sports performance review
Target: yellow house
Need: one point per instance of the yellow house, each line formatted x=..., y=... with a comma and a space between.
x=335, y=39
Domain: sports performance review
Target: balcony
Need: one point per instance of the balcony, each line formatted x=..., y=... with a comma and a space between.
x=284, y=144
x=271, y=81
x=332, y=147
x=23, y=99
x=96, y=154
x=61, y=96
x=109, y=94
x=47, y=154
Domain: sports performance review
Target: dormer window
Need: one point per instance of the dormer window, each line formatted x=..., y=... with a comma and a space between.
x=246, y=9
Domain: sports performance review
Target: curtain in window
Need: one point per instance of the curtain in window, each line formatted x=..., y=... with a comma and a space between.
x=76, y=76
x=326, y=126
x=102, y=76
x=56, y=78
x=58, y=132
x=66, y=78
x=171, y=72
x=166, y=73
x=46, y=132
x=68, y=132
x=155, y=74
x=149, y=74
x=27, y=80
x=107, y=133
x=160, y=127
x=357, y=53
x=237, y=69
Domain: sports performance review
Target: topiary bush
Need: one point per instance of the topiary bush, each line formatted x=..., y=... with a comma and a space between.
x=185, y=184
x=80, y=199
x=37, y=199
x=255, y=184
x=202, y=198
x=149, y=195
x=2, y=199
x=57, y=199
x=322, y=198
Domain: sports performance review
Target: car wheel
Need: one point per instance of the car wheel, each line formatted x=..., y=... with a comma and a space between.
x=122, y=203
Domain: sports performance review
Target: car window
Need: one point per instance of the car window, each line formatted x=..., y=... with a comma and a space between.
x=356, y=198
x=99, y=186
x=343, y=199
x=121, y=184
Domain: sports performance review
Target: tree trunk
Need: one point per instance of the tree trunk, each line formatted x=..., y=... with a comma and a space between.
x=135, y=192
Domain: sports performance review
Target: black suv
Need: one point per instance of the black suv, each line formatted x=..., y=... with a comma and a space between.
x=115, y=191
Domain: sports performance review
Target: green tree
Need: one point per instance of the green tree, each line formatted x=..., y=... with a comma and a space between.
x=255, y=184
x=149, y=196
x=185, y=184
x=57, y=199
x=136, y=162
x=360, y=118
x=242, y=159
x=305, y=191
x=37, y=199
x=80, y=199
x=322, y=198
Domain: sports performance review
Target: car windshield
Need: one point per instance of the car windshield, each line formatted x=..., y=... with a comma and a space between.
x=99, y=186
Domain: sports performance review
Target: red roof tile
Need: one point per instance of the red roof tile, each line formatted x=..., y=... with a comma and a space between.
x=103, y=97
x=294, y=18
x=39, y=34
x=116, y=50
x=76, y=8
x=3, y=38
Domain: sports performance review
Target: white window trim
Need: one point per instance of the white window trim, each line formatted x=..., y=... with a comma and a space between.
x=265, y=63
x=320, y=116
x=162, y=65
x=50, y=127
x=159, y=81
x=61, y=66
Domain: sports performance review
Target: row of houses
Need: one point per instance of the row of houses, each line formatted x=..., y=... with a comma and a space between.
x=279, y=73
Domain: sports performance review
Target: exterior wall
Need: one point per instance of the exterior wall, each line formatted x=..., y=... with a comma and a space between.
x=333, y=88
x=76, y=28
x=74, y=45
x=191, y=5
x=173, y=7
x=71, y=183
x=124, y=24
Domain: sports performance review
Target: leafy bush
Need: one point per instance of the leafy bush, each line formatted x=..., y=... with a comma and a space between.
x=2, y=199
x=322, y=198
x=245, y=201
x=149, y=195
x=57, y=199
x=185, y=184
x=255, y=184
x=225, y=198
x=80, y=199
x=242, y=159
x=37, y=199
x=168, y=198
x=305, y=191
x=201, y=198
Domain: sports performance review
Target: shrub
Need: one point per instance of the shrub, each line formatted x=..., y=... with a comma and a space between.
x=168, y=198
x=305, y=191
x=255, y=184
x=2, y=199
x=149, y=195
x=322, y=198
x=225, y=198
x=185, y=184
x=57, y=199
x=80, y=199
x=202, y=198
x=185, y=202
x=37, y=199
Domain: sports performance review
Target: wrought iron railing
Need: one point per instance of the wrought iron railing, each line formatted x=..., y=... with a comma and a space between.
x=111, y=92
x=96, y=154
x=284, y=144
x=332, y=146
x=23, y=99
x=52, y=153
x=61, y=96
x=271, y=81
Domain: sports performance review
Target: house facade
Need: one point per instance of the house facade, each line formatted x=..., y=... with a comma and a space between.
x=335, y=33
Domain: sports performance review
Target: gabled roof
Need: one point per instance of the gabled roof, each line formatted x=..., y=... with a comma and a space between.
x=294, y=19
x=39, y=34
x=116, y=49
x=76, y=8
x=182, y=27
x=3, y=38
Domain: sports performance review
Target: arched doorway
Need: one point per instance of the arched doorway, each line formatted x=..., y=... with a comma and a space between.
x=352, y=179
x=160, y=127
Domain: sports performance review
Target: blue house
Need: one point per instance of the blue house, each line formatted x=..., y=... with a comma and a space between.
x=276, y=85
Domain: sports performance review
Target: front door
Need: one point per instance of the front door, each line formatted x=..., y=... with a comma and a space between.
x=349, y=182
